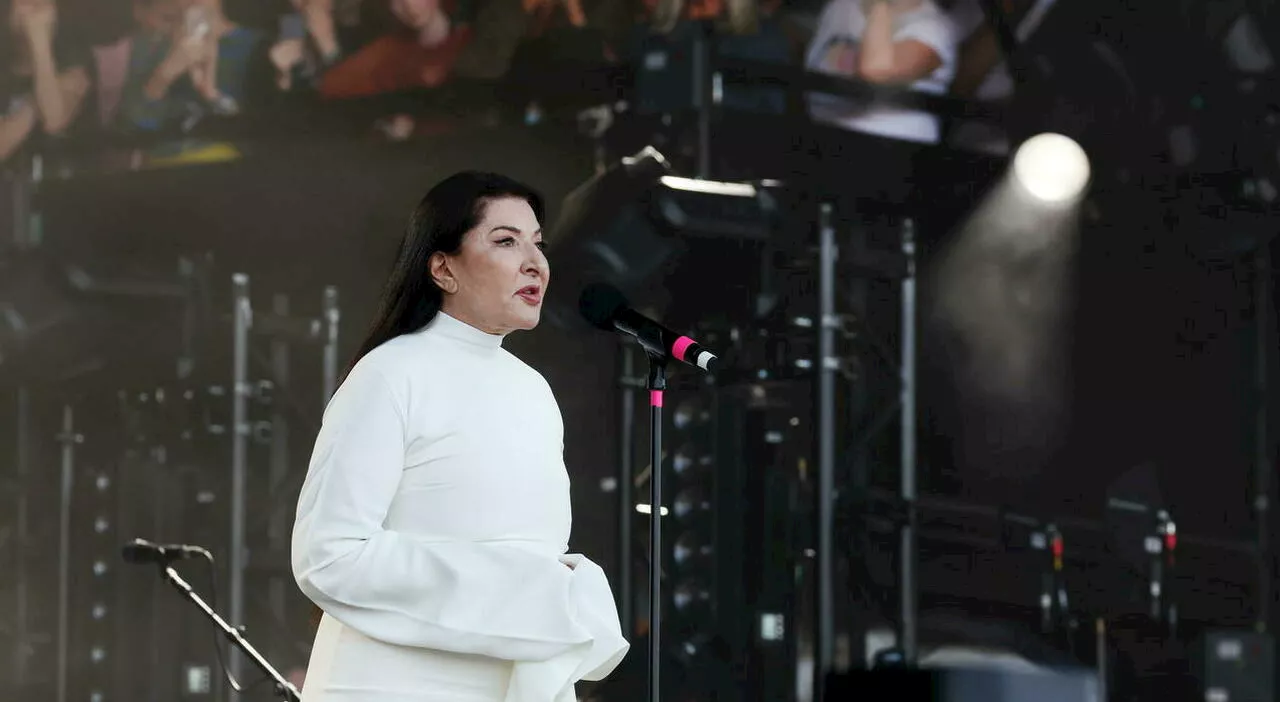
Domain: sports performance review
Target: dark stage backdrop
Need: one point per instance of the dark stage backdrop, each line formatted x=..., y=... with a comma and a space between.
x=1161, y=347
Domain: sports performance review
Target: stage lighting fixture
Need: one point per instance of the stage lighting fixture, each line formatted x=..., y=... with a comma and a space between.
x=709, y=187
x=592, y=206
x=603, y=233
x=691, y=554
x=1051, y=167
x=694, y=207
x=93, y=594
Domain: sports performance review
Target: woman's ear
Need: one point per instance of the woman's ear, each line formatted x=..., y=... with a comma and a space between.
x=438, y=265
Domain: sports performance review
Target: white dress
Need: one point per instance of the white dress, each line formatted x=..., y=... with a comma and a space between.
x=433, y=527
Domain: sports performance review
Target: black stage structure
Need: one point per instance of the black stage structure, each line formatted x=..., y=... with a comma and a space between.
x=895, y=499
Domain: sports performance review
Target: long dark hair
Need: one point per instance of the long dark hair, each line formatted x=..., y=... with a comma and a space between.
x=410, y=298
x=445, y=214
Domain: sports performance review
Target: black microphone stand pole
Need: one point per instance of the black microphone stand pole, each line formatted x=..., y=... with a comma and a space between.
x=657, y=385
x=284, y=688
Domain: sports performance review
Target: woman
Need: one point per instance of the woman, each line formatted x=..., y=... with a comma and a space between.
x=434, y=519
x=889, y=42
x=418, y=52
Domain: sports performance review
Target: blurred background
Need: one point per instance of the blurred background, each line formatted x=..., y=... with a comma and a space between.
x=991, y=398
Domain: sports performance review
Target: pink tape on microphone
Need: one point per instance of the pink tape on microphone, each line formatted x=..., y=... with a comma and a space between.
x=680, y=346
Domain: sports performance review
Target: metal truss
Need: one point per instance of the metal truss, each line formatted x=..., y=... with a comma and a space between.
x=275, y=414
x=212, y=456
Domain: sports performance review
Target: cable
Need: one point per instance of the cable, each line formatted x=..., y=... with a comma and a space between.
x=211, y=572
x=222, y=661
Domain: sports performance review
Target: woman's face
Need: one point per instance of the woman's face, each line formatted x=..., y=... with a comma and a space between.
x=415, y=14
x=497, y=280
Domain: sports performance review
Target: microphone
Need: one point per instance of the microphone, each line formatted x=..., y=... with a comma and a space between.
x=605, y=307
x=143, y=551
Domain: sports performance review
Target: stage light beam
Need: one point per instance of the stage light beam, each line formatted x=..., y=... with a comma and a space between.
x=1052, y=168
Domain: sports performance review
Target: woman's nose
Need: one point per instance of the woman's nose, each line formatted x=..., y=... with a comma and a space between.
x=536, y=263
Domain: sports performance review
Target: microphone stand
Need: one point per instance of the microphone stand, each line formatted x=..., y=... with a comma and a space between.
x=284, y=688
x=657, y=385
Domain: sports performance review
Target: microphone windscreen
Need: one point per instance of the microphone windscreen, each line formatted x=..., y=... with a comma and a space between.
x=600, y=304
x=138, y=551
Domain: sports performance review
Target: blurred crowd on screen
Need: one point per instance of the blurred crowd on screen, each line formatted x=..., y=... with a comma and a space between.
x=72, y=68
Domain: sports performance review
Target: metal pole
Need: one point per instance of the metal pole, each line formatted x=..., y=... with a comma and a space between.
x=332, y=315
x=68, y=438
x=26, y=219
x=705, y=80
x=907, y=557
x=1100, y=648
x=657, y=385
x=1262, y=439
x=190, y=318
x=827, y=369
x=22, y=471
x=20, y=202
x=626, y=491
x=278, y=528
x=239, y=455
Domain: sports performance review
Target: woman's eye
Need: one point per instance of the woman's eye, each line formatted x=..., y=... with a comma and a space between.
x=542, y=245
x=506, y=241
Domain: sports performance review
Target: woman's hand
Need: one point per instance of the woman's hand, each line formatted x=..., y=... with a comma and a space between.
x=36, y=18
x=204, y=74
x=185, y=53
x=577, y=16
x=318, y=16
x=435, y=32
x=285, y=55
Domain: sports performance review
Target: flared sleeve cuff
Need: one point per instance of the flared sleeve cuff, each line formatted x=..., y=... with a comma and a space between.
x=594, y=612
x=486, y=599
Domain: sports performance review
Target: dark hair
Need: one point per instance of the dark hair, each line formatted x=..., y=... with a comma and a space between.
x=410, y=298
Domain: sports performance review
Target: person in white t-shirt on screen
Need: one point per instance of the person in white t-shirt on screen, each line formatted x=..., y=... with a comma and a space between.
x=890, y=42
x=982, y=72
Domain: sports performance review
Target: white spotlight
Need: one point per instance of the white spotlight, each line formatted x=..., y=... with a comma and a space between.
x=1051, y=167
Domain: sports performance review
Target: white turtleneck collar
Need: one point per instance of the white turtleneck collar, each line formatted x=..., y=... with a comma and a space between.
x=451, y=328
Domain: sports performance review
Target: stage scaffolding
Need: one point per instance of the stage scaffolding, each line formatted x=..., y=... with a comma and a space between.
x=210, y=449
x=848, y=267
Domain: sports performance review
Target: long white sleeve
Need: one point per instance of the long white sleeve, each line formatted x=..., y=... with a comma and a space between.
x=492, y=599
